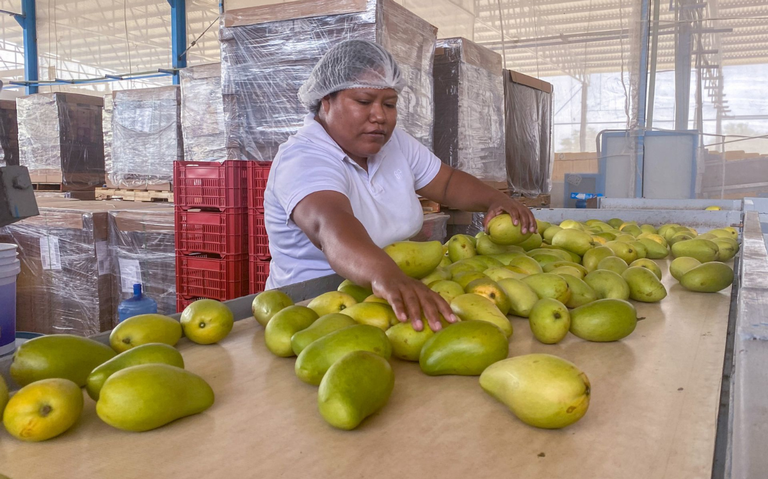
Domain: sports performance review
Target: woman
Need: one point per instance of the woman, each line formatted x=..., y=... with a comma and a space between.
x=345, y=185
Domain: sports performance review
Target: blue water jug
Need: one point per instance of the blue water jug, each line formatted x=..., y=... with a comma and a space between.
x=138, y=304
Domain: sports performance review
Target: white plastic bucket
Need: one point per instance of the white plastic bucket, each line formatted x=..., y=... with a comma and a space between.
x=9, y=270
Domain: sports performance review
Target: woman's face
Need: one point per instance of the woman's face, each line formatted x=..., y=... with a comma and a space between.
x=360, y=120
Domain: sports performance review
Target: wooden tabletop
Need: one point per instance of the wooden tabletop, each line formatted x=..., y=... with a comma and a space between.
x=654, y=405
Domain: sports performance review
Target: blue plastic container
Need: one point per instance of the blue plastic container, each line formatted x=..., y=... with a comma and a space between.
x=138, y=304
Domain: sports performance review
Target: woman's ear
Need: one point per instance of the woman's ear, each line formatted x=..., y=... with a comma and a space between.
x=325, y=104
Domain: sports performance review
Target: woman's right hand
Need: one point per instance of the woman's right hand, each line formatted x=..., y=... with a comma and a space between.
x=411, y=299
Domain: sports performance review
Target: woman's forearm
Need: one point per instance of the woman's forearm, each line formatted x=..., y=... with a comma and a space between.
x=467, y=193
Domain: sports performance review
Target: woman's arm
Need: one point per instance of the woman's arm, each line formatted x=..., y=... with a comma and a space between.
x=462, y=191
x=327, y=219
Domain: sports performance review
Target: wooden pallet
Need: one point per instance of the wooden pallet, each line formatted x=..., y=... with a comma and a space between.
x=134, y=195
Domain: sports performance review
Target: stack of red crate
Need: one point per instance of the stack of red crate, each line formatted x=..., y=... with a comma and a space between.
x=211, y=230
x=258, y=243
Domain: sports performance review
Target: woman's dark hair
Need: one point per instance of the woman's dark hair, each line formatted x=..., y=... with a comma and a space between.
x=314, y=109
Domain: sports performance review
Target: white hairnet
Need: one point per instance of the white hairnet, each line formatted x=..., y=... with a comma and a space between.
x=351, y=64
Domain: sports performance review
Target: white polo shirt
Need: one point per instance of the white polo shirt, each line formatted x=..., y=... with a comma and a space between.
x=383, y=199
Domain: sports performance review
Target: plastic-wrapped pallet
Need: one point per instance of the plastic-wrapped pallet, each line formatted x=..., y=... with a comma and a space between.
x=202, y=113
x=141, y=247
x=267, y=52
x=9, y=134
x=106, y=127
x=469, y=101
x=60, y=139
x=528, y=110
x=146, y=138
x=65, y=281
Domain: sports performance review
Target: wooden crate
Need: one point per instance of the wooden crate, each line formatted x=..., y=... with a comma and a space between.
x=134, y=195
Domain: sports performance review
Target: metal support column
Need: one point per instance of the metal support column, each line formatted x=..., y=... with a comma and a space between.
x=642, y=92
x=28, y=23
x=178, y=36
x=683, y=64
x=583, y=123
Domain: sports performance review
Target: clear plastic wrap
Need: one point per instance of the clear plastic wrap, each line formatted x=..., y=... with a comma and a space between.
x=9, y=134
x=202, y=113
x=465, y=223
x=146, y=137
x=141, y=248
x=60, y=139
x=268, y=52
x=469, y=102
x=106, y=128
x=528, y=117
x=64, y=286
x=435, y=228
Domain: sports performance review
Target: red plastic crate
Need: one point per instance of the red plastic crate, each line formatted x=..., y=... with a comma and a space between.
x=222, y=233
x=258, y=241
x=202, y=275
x=258, y=172
x=182, y=302
x=213, y=185
x=258, y=272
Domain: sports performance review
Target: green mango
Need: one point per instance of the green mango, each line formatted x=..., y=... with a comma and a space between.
x=445, y=262
x=604, y=320
x=550, y=267
x=615, y=222
x=145, y=354
x=550, y=233
x=486, y=246
x=521, y=297
x=406, y=342
x=726, y=248
x=470, y=306
x=581, y=292
x=488, y=288
x=267, y=304
x=631, y=229
x=540, y=389
x=653, y=249
x=545, y=258
x=642, y=251
x=648, y=229
x=527, y=264
x=644, y=286
x=625, y=251
x=542, y=226
x=568, y=271
x=497, y=274
x=550, y=321
x=415, y=258
x=607, y=235
x=533, y=242
x=438, y=274
x=461, y=247
x=282, y=327
x=331, y=302
x=489, y=262
x=502, y=231
x=463, y=279
x=608, y=284
x=593, y=257
x=374, y=314
x=3, y=395
x=357, y=292
x=682, y=265
x=551, y=250
x=506, y=258
x=62, y=356
x=322, y=326
x=574, y=241
x=447, y=289
x=708, y=278
x=548, y=285
x=701, y=249
x=464, y=349
x=649, y=265
x=144, y=329
x=613, y=263
x=680, y=237
x=356, y=386
x=572, y=224
x=315, y=359
x=145, y=397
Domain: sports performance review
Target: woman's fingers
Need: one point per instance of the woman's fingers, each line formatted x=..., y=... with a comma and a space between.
x=412, y=306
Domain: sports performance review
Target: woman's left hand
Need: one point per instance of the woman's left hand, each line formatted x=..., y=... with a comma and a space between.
x=520, y=214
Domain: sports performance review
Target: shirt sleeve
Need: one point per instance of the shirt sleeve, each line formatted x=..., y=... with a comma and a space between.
x=424, y=164
x=302, y=172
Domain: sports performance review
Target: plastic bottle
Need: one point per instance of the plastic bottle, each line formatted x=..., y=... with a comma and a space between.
x=138, y=304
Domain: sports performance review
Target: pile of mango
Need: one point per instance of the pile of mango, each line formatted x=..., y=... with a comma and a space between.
x=138, y=382
x=573, y=277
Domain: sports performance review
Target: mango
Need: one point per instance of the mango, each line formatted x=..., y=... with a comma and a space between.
x=644, y=286
x=551, y=250
x=145, y=397
x=521, y=297
x=497, y=274
x=540, y=389
x=464, y=349
x=322, y=326
x=604, y=320
x=568, y=271
x=488, y=262
x=653, y=249
x=3, y=395
x=649, y=265
x=286, y=323
x=701, y=249
x=726, y=248
x=527, y=264
x=680, y=237
x=533, y=242
x=502, y=231
x=593, y=257
x=143, y=329
x=550, y=233
x=581, y=292
x=485, y=246
x=656, y=238
x=356, y=386
x=357, y=292
x=631, y=229
x=573, y=240
x=615, y=222
x=438, y=274
x=646, y=228
x=542, y=226
x=548, y=285
x=372, y=299
x=473, y=307
x=379, y=315
x=488, y=288
x=315, y=359
x=550, y=321
x=43, y=409
x=679, y=266
x=267, y=304
x=461, y=247
x=613, y=263
x=331, y=302
x=446, y=261
x=447, y=289
x=505, y=258
x=550, y=267
x=207, y=321
x=145, y=354
x=608, y=284
x=407, y=343
x=708, y=278
x=416, y=259
x=572, y=224
x=642, y=251
x=624, y=251
x=464, y=279
x=58, y=356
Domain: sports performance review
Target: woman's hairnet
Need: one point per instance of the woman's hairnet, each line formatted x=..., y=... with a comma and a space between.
x=351, y=64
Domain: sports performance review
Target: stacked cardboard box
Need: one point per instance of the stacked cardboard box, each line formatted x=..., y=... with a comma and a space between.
x=269, y=51
x=60, y=139
x=202, y=113
x=9, y=134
